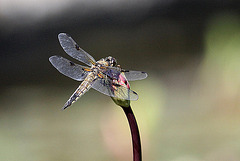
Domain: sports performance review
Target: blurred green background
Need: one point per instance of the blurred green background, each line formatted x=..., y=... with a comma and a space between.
x=188, y=107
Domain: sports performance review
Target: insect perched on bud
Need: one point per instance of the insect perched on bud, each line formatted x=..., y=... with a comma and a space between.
x=103, y=75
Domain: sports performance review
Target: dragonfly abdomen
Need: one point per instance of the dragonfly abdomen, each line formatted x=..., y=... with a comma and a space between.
x=81, y=90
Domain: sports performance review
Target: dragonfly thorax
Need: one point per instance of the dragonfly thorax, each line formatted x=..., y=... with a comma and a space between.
x=101, y=63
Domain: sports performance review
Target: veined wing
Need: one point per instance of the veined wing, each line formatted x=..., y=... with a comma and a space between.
x=73, y=49
x=113, y=72
x=68, y=68
x=106, y=87
x=135, y=75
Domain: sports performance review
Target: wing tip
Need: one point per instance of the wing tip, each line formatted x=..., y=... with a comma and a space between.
x=61, y=34
x=146, y=75
x=134, y=98
x=51, y=58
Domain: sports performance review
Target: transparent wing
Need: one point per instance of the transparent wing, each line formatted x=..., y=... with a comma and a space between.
x=106, y=87
x=68, y=68
x=73, y=49
x=135, y=75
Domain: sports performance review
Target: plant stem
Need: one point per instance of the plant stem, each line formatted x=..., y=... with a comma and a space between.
x=137, y=153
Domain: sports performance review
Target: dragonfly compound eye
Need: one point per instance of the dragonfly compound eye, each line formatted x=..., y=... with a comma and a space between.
x=111, y=61
x=114, y=62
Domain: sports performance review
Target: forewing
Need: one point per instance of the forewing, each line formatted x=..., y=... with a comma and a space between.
x=135, y=75
x=73, y=49
x=68, y=68
x=106, y=87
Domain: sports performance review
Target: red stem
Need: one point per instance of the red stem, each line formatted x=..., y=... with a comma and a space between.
x=137, y=153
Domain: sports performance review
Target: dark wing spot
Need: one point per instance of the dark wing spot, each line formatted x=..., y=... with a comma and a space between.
x=82, y=74
x=125, y=81
x=72, y=64
x=77, y=47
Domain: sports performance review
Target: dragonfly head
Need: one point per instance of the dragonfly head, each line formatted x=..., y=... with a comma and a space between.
x=111, y=61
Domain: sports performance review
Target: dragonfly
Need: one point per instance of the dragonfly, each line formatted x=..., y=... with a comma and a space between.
x=103, y=75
